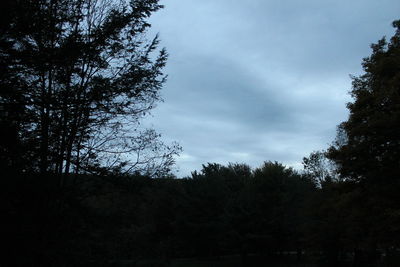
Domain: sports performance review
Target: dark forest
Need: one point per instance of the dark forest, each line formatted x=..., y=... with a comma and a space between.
x=84, y=185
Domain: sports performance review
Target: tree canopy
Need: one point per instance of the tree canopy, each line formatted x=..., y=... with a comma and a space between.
x=76, y=79
x=367, y=147
x=368, y=143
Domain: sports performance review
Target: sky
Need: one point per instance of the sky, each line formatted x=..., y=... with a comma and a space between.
x=260, y=80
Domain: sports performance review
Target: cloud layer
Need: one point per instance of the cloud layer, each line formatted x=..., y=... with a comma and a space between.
x=261, y=80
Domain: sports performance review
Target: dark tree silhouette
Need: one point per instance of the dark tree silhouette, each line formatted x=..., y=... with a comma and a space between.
x=368, y=145
x=77, y=76
x=367, y=151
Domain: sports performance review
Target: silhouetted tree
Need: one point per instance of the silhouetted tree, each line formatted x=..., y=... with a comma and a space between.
x=280, y=194
x=367, y=150
x=368, y=147
x=319, y=168
x=77, y=76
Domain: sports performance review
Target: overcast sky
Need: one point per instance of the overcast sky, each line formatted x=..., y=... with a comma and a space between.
x=257, y=80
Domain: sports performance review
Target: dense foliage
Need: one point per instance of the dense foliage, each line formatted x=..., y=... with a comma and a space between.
x=266, y=212
x=76, y=78
x=81, y=183
x=367, y=149
x=368, y=145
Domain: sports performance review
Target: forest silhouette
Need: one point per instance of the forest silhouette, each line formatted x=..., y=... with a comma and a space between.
x=82, y=185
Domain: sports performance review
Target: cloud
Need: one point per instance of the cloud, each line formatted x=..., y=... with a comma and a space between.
x=261, y=80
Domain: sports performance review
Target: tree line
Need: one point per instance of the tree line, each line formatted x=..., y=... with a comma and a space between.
x=264, y=215
x=84, y=184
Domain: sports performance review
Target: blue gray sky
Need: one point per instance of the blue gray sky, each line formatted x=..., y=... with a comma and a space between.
x=257, y=80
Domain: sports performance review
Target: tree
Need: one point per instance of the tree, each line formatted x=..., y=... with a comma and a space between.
x=319, y=168
x=368, y=143
x=279, y=195
x=367, y=147
x=77, y=78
